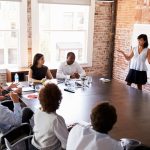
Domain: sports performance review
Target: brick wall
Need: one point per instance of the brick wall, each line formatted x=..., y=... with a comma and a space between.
x=129, y=12
x=29, y=26
x=2, y=76
x=102, y=49
x=102, y=43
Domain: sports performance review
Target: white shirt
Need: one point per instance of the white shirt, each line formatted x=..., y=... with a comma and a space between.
x=9, y=118
x=138, y=60
x=85, y=138
x=50, y=131
x=64, y=70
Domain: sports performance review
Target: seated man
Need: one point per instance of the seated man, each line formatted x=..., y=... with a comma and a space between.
x=10, y=118
x=103, y=118
x=70, y=68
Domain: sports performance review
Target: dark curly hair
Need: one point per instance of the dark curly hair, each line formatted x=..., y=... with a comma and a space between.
x=103, y=117
x=50, y=97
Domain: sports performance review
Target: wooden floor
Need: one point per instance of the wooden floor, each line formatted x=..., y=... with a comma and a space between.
x=133, y=108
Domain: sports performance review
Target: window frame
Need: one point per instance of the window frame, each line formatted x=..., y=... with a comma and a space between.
x=22, y=59
x=35, y=34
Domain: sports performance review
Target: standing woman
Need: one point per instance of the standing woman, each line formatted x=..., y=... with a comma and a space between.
x=138, y=69
x=38, y=70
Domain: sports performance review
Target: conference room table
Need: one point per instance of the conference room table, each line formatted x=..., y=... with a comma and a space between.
x=132, y=105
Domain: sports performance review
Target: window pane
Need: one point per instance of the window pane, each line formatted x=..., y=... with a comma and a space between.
x=12, y=53
x=63, y=28
x=1, y=56
x=9, y=15
x=9, y=31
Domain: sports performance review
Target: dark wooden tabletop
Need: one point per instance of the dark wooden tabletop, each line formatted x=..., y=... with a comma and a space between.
x=132, y=105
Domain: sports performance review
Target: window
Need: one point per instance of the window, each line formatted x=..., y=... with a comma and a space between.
x=59, y=28
x=12, y=29
x=137, y=30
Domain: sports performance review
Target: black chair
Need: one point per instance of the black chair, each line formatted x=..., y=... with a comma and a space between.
x=17, y=135
x=9, y=104
x=142, y=147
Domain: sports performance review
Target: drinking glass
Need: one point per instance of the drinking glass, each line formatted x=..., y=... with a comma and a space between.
x=89, y=79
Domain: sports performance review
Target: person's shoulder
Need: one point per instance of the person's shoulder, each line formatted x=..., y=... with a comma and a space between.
x=45, y=67
x=3, y=109
x=79, y=128
x=32, y=67
x=76, y=63
x=62, y=64
x=116, y=145
x=42, y=114
x=58, y=117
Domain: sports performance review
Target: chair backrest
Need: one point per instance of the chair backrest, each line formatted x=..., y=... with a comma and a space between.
x=9, y=104
x=16, y=134
x=22, y=144
x=8, y=145
x=53, y=72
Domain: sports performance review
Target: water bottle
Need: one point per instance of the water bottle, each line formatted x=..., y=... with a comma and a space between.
x=16, y=78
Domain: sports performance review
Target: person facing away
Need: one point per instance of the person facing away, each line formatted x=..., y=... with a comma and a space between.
x=70, y=68
x=138, y=70
x=50, y=130
x=38, y=70
x=81, y=137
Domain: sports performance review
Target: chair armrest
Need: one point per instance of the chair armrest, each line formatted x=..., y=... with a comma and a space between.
x=23, y=139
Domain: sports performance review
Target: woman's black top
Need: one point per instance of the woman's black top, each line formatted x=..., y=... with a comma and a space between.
x=39, y=73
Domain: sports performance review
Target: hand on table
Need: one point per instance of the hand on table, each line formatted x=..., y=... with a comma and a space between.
x=75, y=76
x=13, y=85
x=18, y=90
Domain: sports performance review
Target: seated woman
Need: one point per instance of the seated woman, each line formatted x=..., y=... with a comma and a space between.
x=50, y=131
x=82, y=137
x=38, y=70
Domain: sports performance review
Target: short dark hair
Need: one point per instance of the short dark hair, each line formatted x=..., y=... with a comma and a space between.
x=50, y=97
x=35, y=60
x=144, y=37
x=103, y=117
x=70, y=54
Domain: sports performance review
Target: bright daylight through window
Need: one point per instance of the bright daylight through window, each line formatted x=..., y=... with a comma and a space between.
x=63, y=28
x=9, y=32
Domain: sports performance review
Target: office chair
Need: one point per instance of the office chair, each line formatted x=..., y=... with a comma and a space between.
x=9, y=104
x=17, y=135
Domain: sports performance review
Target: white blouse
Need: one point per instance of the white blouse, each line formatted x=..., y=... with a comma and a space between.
x=138, y=60
x=50, y=131
x=85, y=138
